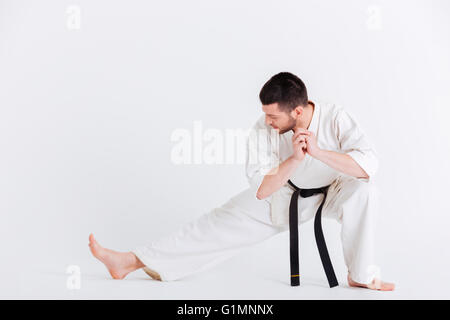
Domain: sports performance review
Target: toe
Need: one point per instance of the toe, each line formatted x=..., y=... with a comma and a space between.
x=386, y=286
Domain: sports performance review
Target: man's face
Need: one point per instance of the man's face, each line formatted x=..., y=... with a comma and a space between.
x=282, y=121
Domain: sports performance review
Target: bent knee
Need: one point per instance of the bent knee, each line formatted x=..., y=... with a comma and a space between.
x=363, y=188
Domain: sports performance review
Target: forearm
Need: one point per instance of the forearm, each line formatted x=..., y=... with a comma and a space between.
x=277, y=177
x=342, y=163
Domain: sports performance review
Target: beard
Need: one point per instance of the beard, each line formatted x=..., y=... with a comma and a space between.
x=291, y=125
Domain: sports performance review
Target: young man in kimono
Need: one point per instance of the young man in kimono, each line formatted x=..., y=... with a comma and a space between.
x=315, y=145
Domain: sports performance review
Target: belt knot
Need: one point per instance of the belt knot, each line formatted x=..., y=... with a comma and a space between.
x=305, y=193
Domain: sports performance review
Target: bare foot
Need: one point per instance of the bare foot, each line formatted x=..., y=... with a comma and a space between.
x=119, y=264
x=376, y=284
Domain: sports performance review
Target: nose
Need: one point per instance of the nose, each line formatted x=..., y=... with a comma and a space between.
x=268, y=121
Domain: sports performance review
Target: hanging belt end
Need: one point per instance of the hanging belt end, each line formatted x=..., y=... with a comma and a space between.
x=295, y=280
x=334, y=284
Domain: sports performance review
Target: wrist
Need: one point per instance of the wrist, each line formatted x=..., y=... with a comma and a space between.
x=295, y=160
x=318, y=154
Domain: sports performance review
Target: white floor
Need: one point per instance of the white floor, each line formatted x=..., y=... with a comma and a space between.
x=260, y=272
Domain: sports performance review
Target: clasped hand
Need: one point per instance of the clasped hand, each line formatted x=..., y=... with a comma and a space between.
x=303, y=142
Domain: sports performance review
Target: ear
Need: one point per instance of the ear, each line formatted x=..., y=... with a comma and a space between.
x=297, y=112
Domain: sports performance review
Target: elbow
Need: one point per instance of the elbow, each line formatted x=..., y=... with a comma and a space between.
x=260, y=195
x=363, y=175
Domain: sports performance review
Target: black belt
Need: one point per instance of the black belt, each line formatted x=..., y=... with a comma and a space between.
x=320, y=240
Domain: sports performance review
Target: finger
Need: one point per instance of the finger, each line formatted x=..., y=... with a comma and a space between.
x=300, y=133
x=303, y=134
x=302, y=150
x=299, y=145
x=299, y=129
x=300, y=139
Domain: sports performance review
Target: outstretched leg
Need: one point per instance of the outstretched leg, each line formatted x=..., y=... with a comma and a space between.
x=199, y=245
x=210, y=239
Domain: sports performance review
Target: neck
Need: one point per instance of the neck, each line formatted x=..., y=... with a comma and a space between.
x=305, y=119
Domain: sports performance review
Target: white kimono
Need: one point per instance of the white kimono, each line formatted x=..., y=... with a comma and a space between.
x=244, y=220
x=335, y=130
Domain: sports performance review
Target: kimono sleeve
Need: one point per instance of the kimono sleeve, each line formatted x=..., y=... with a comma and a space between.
x=354, y=142
x=261, y=156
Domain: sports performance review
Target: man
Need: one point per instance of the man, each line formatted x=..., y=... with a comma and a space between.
x=315, y=145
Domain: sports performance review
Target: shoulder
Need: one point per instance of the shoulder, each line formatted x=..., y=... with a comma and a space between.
x=337, y=118
x=260, y=124
x=337, y=112
x=329, y=111
x=263, y=133
x=330, y=108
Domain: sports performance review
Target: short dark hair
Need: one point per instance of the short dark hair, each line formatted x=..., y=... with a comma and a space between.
x=286, y=89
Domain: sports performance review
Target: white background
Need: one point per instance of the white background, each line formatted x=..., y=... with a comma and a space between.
x=86, y=117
